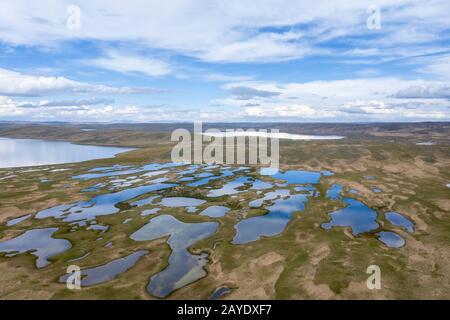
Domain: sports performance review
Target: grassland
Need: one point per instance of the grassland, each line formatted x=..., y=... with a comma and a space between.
x=304, y=262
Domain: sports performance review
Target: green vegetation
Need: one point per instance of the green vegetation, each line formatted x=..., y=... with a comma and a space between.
x=304, y=262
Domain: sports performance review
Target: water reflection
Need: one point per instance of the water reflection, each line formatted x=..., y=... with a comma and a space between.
x=400, y=221
x=38, y=242
x=230, y=187
x=190, y=203
x=15, y=221
x=219, y=293
x=355, y=215
x=109, y=271
x=272, y=223
x=104, y=204
x=334, y=193
x=391, y=239
x=184, y=267
x=30, y=152
x=293, y=176
x=215, y=211
x=279, y=193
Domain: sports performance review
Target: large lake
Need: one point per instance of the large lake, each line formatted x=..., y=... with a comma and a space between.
x=30, y=152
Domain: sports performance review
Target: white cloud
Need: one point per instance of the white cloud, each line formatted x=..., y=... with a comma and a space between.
x=65, y=103
x=225, y=78
x=228, y=30
x=439, y=66
x=425, y=91
x=361, y=110
x=13, y=83
x=298, y=111
x=264, y=47
x=120, y=62
x=383, y=99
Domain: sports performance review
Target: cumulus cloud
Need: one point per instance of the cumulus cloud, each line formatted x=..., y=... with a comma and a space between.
x=13, y=83
x=426, y=91
x=383, y=99
x=234, y=31
x=372, y=110
x=17, y=110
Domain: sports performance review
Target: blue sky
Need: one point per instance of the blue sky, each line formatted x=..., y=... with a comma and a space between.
x=306, y=61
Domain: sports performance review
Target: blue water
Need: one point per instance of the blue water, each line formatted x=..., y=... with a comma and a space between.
x=215, y=211
x=355, y=215
x=143, y=202
x=109, y=271
x=376, y=190
x=110, y=168
x=272, y=195
x=400, y=221
x=219, y=292
x=230, y=187
x=114, y=173
x=15, y=221
x=203, y=181
x=261, y=185
x=184, y=267
x=38, y=242
x=272, y=223
x=98, y=206
x=30, y=152
x=150, y=211
x=305, y=189
x=203, y=175
x=334, y=193
x=391, y=239
x=190, y=203
x=294, y=176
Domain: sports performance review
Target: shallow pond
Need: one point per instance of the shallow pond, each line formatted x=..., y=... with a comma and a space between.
x=174, y=202
x=184, y=267
x=203, y=181
x=215, y=211
x=15, y=221
x=293, y=176
x=38, y=242
x=104, y=204
x=230, y=187
x=391, y=239
x=376, y=190
x=272, y=195
x=400, y=221
x=334, y=193
x=355, y=215
x=270, y=224
x=108, y=271
x=119, y=172
x=219, y=293
x=150, y=211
